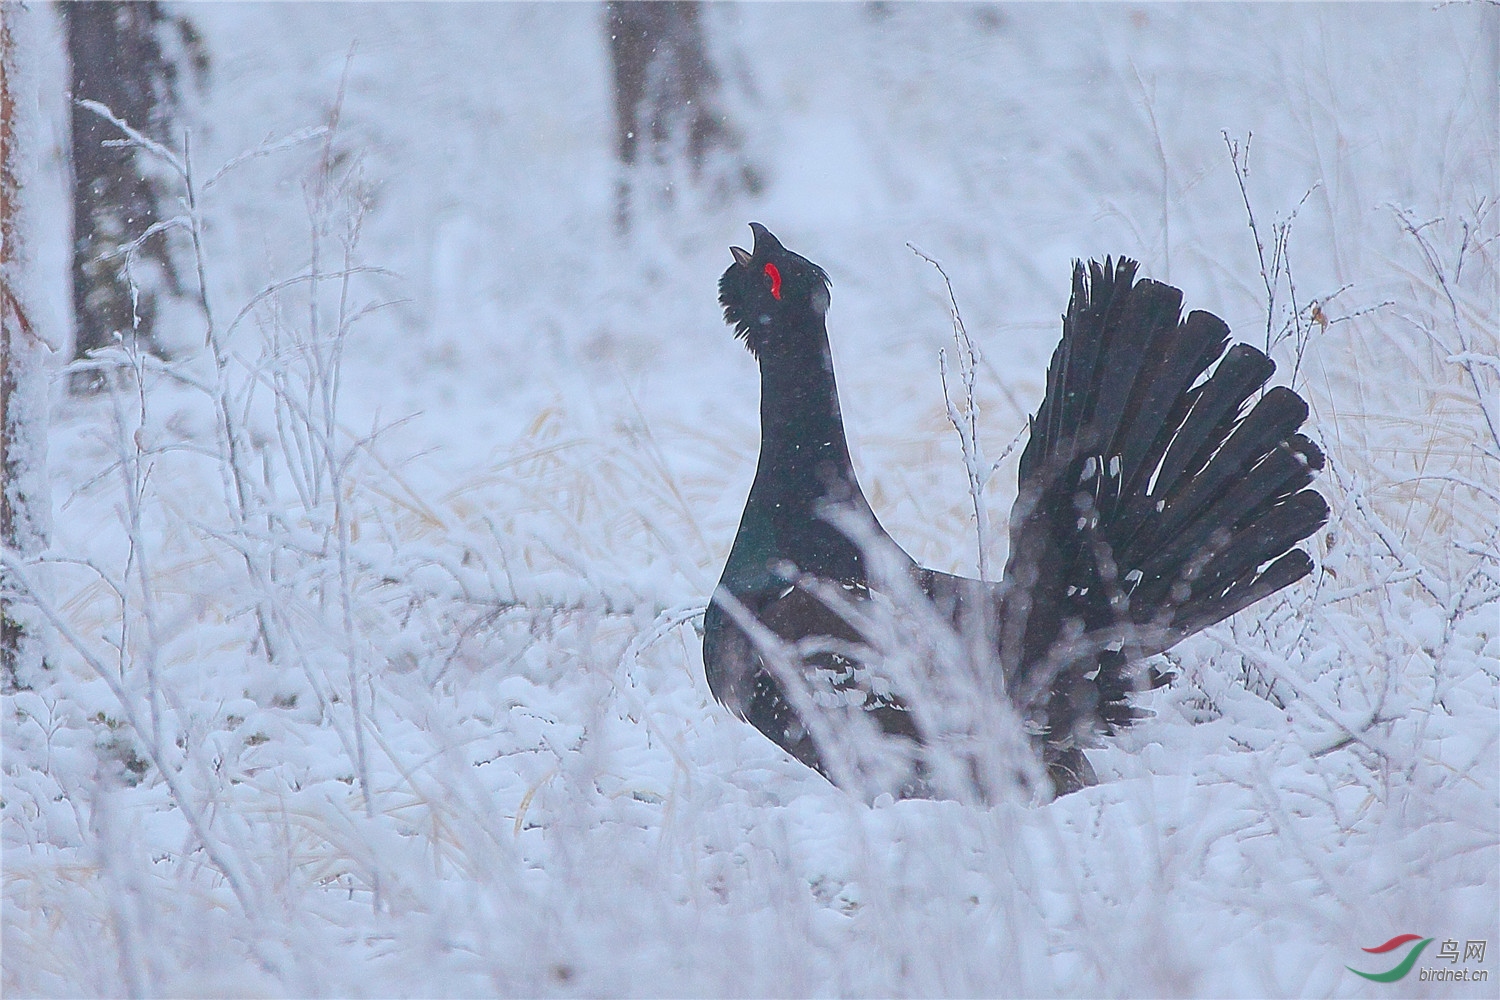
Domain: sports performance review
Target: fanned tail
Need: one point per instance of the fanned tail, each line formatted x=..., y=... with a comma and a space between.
x=1154, y=501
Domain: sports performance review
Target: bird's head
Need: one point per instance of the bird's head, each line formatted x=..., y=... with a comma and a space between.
x=771, y=295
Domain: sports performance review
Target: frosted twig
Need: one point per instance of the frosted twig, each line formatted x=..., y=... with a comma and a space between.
x=1279, y=268
x=967, y=422
x=306, y=277
x=126, y=249
x=267, y=148
x=1435, y=265
x=136, y=138
x=1399, y=551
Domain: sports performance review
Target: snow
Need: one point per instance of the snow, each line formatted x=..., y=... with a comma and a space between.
x=484, y=760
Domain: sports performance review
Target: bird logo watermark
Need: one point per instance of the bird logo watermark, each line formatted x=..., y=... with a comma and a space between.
x=1473, y=952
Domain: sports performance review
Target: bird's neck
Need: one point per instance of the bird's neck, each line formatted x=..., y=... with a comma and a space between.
x=804, y=455
x=804, y=470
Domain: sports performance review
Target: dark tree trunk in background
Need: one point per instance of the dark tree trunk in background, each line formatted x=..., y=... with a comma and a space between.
x=667, y=113
x=117, y=58
x=25, y=505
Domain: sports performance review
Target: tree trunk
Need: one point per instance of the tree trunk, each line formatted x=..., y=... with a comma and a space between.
x=25, y=503
x=667, y=113
x=116, y=59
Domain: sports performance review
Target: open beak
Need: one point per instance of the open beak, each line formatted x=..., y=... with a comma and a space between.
x=741, y=256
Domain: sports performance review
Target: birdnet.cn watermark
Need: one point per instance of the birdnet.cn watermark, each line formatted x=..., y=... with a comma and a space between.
x=1465, y=961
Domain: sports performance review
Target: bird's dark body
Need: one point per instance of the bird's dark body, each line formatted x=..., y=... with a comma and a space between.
x=1152, y=503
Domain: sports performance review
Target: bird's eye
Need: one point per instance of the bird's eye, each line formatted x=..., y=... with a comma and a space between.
x=774, y=273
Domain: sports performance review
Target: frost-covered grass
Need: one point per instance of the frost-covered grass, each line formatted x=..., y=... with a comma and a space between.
x=400, y=694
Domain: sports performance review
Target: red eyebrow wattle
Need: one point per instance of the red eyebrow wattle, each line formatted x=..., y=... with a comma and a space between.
x=774, y=273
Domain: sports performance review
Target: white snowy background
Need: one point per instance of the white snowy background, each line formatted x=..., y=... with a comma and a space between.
x=480, y=488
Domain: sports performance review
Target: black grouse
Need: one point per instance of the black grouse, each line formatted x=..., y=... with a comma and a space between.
x=1154, y=501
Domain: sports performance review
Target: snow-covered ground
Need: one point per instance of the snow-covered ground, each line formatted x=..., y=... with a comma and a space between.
x=474, y=520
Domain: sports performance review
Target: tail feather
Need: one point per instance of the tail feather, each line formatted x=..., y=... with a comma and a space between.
x=1150, y=498
x=1255, y=466
x=1284, y=572
x=1214, y=410
x=1146, y=320
x=1238, y=501
x=1068, y=406
x=1192, y=595
x=1165, y=399
x=1287, y=522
